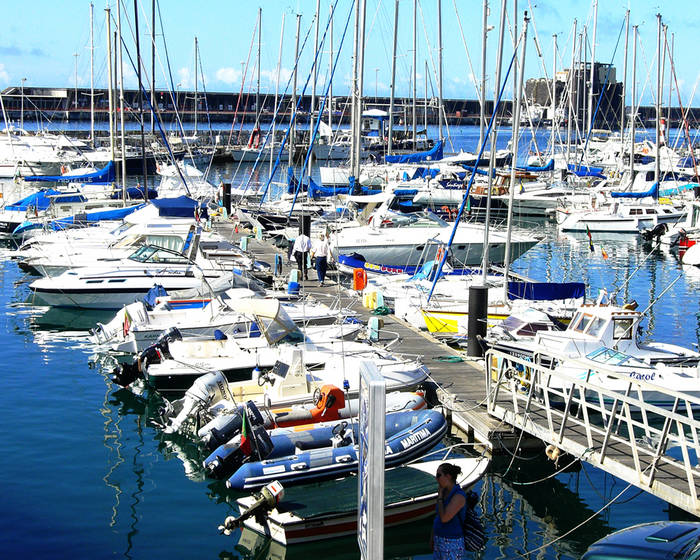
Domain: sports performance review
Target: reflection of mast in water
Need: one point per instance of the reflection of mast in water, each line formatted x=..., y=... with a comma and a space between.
x=138, y=471
x=652, y=297
x=112, y=443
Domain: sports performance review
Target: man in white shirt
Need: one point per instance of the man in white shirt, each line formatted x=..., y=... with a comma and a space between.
x=302, y=246
x=320, y=252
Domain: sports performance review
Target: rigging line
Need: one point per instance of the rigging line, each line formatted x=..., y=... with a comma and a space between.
x=296, y=109
x=273, y=120
x=170, y=73
x=685, y=121
x=602, y=91
x=479, y=93
x=323, y=106
x=244, y=74
x=473, y=175
x=157, y=119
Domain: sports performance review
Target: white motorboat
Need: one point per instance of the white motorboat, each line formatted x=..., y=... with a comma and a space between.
x=135, y=327
x=395, y=239
x=600, y=327
x=172, y=366
x=620, y=217
x=125, y=281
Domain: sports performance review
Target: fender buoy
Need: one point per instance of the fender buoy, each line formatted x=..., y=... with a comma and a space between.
x=359, y=279
x=254, y=140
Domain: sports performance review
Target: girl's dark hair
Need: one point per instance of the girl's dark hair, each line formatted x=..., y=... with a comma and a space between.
x=451, y=470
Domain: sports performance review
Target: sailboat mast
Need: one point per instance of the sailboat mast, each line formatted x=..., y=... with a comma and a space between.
x=140, y=95
x=492, y=145
x=624, y=78
x=633, y=111
x=153, y=62
x=415, y=48
x=312, y=108
x=657, y=163
x=330, y=70
x=554, y=93
x=439, y=70
x=110, y=91
x=354, y=130
x=120, y=65
x=92, y=78
x=257, y=91
x=569, y=111
x=425, y=98
x=390, y=146
x=591, y=124
x=292, y=124
x=360, y=81
x=482, y=100
x=516, y=135
x=277, y=88
x=196, y=100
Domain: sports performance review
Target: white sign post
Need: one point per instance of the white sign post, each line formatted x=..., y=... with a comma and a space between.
x=370, y=499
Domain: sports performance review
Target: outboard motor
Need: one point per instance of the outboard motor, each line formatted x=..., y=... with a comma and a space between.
x=206, y=390
x=161, y=347
x=226, y=427
x=125, y=374
x=254, y=445
x=657, y=231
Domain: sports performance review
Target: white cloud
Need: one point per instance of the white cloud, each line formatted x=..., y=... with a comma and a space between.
x=4, y=75
x=185, y=78
x=271, y=76
x=228, y=75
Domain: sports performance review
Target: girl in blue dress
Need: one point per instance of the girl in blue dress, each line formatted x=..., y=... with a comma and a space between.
x=447, y=538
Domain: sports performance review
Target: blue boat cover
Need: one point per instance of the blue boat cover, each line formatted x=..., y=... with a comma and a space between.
x=405, y=192
x=92, y=217
x=179, y=207
x=317, y=191
x=586, y=171
x=41, y=200
x=105, y=175
x=434, y=154
x=548, y=167
x=155, y=292
x=653, y=191
x=546, y=291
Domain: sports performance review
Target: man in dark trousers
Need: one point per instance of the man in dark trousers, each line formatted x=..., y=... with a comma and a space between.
x=302, y=246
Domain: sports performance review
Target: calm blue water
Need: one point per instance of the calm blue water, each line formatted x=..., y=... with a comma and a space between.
x=85, y=475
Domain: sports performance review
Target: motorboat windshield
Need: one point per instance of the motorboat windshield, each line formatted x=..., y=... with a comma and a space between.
x=159, y=255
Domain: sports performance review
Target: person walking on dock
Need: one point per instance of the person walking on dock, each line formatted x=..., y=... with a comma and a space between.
x=320, y=253
x=302, y=246
x=447, y=537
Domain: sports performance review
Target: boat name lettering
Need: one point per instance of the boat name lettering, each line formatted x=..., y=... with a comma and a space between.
x=274, y=470
x=415, y=438
x=643, y=376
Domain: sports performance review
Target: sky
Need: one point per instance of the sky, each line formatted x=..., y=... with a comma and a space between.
x=49, y=44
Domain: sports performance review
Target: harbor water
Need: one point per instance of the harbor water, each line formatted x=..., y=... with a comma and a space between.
x=85, y=474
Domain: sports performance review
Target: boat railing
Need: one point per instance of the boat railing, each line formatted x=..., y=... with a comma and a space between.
x=618, y=423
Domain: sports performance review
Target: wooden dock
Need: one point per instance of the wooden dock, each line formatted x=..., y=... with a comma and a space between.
x=459, y=381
